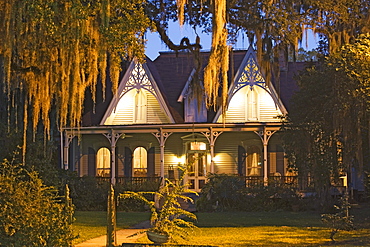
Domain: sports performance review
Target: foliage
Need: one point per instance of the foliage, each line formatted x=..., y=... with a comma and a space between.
x=221, y=192
x=328, y=118
x=55, y=50
x=31, y=214
x=225, y=192
x=275, y=28
x=166, y=212
x=303, y=56
x=341, y=220
x=87, y=193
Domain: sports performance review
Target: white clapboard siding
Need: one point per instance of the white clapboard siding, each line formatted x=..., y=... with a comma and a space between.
x=154, y=112
x=124, y=112
x=237, y=109
x=226, y=155
x=268, y=109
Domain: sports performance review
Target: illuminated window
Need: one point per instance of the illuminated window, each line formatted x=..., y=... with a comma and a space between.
x=103, y=162
x=140, y=164
x=253, y=161
x=252, y=105
x=140, y=107
x=198, y=146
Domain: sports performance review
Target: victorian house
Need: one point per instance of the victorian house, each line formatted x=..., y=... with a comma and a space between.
x=154, y=124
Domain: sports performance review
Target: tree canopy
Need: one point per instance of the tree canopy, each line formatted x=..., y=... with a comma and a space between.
x=55, y=50
x=329, y=116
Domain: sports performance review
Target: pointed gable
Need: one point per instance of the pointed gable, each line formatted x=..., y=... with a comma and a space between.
x=250, y=97
x=138, y=100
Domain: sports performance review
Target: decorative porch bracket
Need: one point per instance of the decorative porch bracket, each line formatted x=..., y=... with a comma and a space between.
x=113, y=137
x=162, y=138
x=212, y=137
x=265, y=136
x=67, y=141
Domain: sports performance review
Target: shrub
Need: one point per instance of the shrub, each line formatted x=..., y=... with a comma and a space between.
x=341, y=220
x=88, y=193
x=225, y=192
x=31, y=214
x=221, y=192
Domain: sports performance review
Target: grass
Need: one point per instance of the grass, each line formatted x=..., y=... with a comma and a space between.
x=249, y=228
x=91, y=224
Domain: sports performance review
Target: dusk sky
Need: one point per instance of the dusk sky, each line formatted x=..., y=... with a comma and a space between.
x=154, y=44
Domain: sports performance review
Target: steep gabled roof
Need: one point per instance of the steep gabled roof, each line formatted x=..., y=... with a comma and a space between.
x=170, y=73
x=250, y=75
x=138, y=76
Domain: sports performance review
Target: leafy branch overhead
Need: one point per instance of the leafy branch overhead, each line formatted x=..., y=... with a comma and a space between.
x=56, y=50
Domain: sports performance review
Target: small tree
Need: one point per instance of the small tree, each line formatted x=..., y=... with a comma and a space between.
x=341, y=220
x=167, y=216
x=31, y=214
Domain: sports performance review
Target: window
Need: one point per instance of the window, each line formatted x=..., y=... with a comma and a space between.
x=103, y=162
x=253, y=161
x=140, y=106
x=252, y=105
x=140, y=164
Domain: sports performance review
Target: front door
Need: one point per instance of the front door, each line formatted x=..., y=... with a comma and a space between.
x=197, y=164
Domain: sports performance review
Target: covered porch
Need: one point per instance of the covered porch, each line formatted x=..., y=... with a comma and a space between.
x=248, y=150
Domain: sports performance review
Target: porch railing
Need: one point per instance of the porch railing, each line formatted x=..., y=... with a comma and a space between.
x=289, y=181
x=153, y=183
x=135, y=183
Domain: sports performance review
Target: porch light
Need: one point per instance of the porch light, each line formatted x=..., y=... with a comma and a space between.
x=198, y=145
x=179, y=160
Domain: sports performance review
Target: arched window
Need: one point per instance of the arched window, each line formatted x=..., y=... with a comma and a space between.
x=103, y=162
x=140, y=162
x=254, y=161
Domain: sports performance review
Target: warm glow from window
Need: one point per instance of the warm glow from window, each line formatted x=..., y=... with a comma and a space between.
x=140, y=162
x=254, y=165
x=103, y=162
x=252, y=105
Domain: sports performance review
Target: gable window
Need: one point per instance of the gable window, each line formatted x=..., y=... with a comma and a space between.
x=252, y=105
x=140, y=162
x=140, y=106
x=254, y=161
x=103, y=162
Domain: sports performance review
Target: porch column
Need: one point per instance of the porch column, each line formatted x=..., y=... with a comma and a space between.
x=65, y=154
x=265, y=136
x=162, y=138
x=113, y=137
x=212, y=136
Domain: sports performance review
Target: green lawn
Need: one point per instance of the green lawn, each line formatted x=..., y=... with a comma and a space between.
x=91, y=224
x=245, y=228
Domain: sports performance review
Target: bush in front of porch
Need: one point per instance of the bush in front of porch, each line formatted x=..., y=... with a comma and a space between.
x=224, y=192
x=90, y=193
